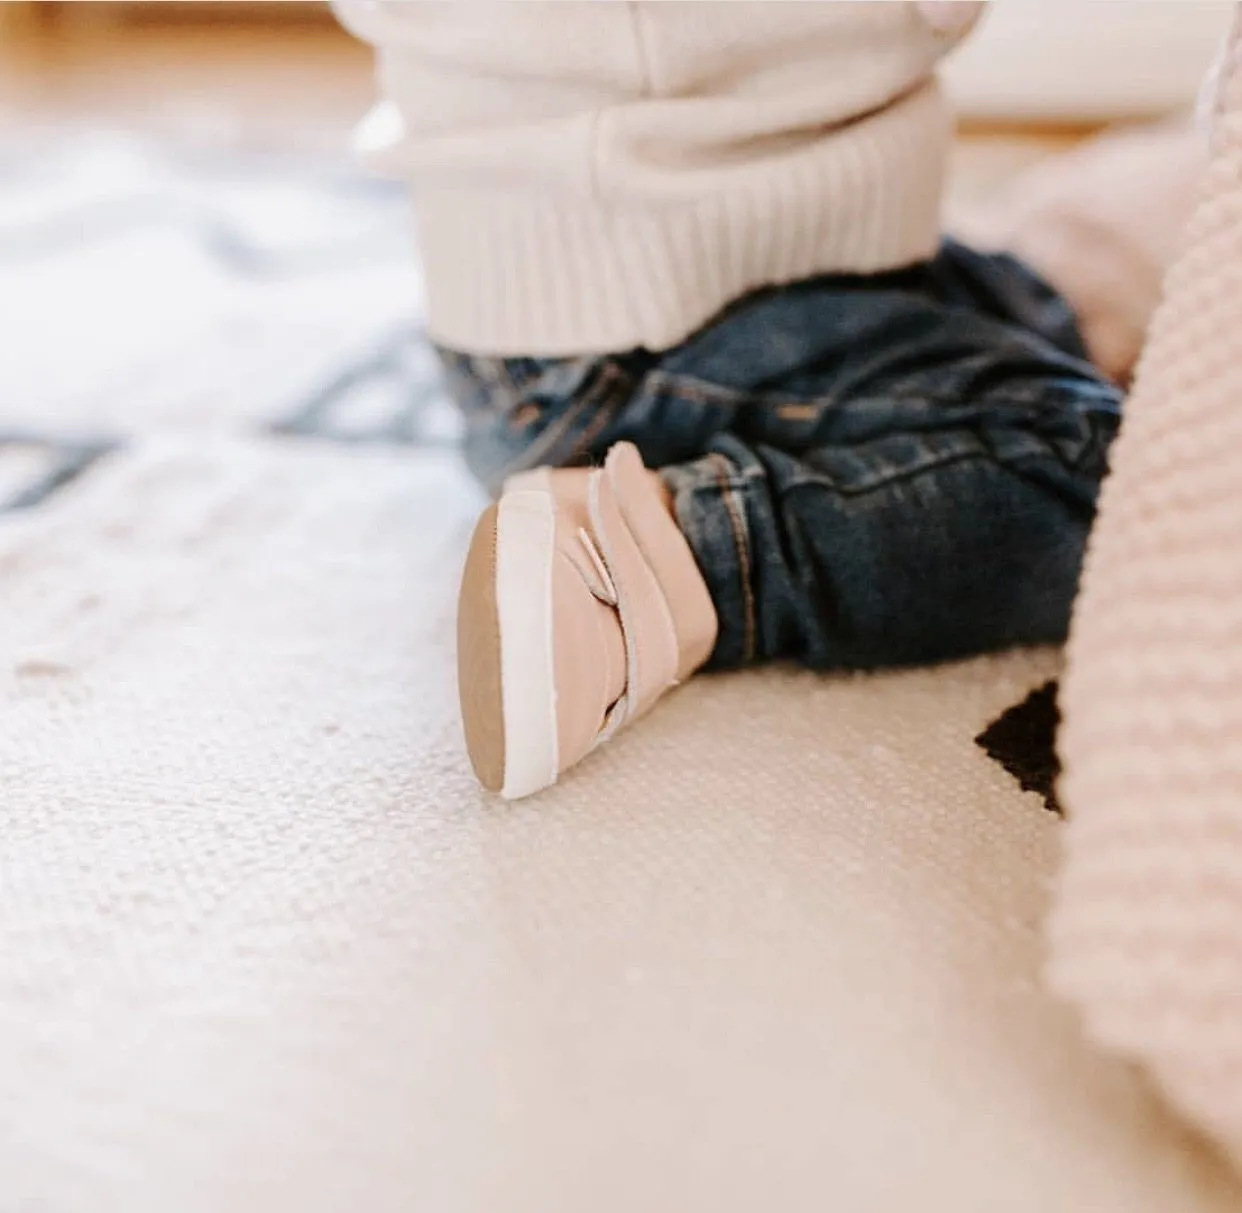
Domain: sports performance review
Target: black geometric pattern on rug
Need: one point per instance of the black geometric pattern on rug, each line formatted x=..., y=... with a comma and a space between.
x=393, y=395
x=228, y=206
x=46, y=464
x=1023, y=741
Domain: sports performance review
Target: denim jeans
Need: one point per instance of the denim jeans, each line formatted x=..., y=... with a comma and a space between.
x=870, y=471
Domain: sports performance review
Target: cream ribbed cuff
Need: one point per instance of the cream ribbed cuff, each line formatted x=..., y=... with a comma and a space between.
x=521, y=273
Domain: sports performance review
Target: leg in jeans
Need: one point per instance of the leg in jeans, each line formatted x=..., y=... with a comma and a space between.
x=870, y=471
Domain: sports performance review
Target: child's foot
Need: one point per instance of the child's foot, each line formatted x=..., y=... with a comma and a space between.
x=581, y=604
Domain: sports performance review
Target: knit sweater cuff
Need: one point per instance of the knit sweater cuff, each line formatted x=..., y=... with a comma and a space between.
x=521, y=272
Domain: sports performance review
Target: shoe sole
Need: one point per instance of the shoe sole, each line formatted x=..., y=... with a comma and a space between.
x=505, y=670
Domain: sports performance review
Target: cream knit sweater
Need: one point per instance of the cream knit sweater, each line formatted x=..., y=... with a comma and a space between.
x=591, y=175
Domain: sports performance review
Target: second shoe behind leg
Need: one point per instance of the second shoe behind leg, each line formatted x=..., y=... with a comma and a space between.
x=869, y=471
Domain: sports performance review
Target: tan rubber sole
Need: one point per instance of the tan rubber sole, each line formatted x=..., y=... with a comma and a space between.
x=478, y=657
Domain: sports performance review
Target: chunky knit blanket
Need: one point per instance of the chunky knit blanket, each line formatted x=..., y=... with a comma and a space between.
x=1147, y=929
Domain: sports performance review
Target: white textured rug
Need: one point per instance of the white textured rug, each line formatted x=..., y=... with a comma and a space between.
x=264, y=945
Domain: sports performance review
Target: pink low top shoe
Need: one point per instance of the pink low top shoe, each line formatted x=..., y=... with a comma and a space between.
x=581, y=605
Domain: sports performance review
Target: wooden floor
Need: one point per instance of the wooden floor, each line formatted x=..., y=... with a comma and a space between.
x=277, y=83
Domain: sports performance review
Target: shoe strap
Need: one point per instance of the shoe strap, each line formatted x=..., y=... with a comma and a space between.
x=651, y=649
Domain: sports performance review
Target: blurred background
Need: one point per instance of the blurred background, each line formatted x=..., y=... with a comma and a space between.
x=262, y=74
x=284, y=73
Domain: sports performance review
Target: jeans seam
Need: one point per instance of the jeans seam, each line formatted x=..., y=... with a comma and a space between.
x=603, y=416
x=906, y=474
x=609, y=375
x=700, y=391
x=697, y=391
x=741, y=546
